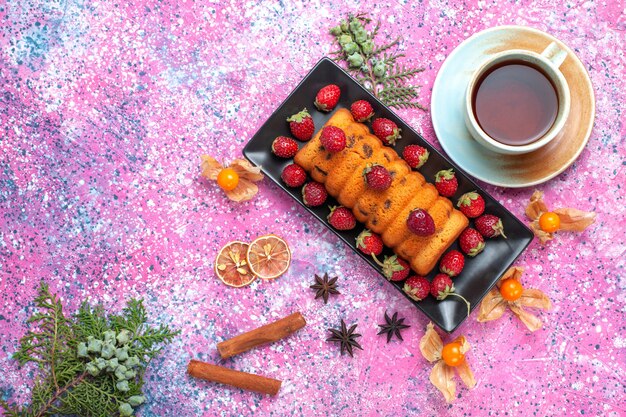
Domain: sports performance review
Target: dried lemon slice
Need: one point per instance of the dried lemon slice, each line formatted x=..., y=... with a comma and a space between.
x=231, y=265
x=269, y=257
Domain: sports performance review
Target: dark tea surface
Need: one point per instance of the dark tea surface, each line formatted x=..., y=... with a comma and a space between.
x=515, y=103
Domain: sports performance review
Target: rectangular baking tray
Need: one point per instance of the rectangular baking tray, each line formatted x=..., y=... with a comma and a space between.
x=480, y=273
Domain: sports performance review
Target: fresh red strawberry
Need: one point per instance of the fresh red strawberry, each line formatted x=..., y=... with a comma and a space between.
x=394, y=268
x=369, y=243
x=293, y=175
x=327, y=98
x=362, y=110
x=446, y=182
x=386, y=130
x=471, y=242
x=415, y=155
x=489, y=226
x=441, y=287
x=301, y=125
x=341, y=218
x=333, y=139
x=417, y=288
x=471, y=204
x=420, y=222
x=284, y=147
x=377, y=177
x=452, y=263
x=314, y=194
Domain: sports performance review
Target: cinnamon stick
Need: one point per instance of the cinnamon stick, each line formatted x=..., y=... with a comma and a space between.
x=243, y=380
x=264, y=334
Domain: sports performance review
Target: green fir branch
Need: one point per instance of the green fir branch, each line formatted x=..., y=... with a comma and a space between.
x=391, y=61
x=403, y=104
x=133, y=317
x=388, y=46
x=405, y=93
x=41, y=345
x=357, y=74
x=67, y=350
x=7, y=411
x=399, y=75
x=90, y=321
x=375, y=66
x=363, y=17
x=376, y=29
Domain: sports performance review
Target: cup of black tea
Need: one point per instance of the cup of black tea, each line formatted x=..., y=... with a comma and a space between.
x=518, y=100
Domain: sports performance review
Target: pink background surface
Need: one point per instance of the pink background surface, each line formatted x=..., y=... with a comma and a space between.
x=105, y=111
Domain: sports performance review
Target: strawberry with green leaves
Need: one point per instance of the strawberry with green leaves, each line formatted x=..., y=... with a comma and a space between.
x=446, y=182
x=471, y=242
x=471, y=204
x=362, y=111
x=369, y=243
x=341, y=218
x=301, y=125
x=386, y=130
x=489, y=226
x=284, y=147
x=377, y=177
x=394, y=268
x=293, y=175
x=415, y=155
x=441, y=287
x=452, y=263
x=314, y=194
x=333, y=139
x=327, y=98
x=417, y=288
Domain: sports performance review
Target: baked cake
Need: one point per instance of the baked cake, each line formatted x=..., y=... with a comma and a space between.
x=383, y=212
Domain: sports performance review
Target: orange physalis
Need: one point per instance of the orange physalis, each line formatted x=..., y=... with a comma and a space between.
x=549, y=222
x=544, y=222
x=510, y=293
x=511, y=289
x=228, y=179
x=452, y=354
x=237, y=180
x=447, y=359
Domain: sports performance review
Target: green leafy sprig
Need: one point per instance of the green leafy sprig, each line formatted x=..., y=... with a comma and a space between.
x=376, y=67
x=89, y=365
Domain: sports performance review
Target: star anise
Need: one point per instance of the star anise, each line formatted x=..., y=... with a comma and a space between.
x=393, y=326
x=325, y=287
x=346, y=337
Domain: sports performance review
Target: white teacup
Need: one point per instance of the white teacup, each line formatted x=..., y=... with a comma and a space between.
x=546, y=64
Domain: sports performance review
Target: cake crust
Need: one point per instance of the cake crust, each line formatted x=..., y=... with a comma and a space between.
x=384, y=212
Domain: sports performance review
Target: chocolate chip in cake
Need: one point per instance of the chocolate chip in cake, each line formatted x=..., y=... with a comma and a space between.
x=321, y=170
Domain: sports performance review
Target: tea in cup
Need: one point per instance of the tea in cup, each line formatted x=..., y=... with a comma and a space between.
x=518, y=101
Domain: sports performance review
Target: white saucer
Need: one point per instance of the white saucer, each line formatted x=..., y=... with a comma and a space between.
x=508, y=170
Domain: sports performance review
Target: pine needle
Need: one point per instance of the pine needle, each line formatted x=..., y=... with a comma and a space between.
x=376, y=66
x=64, y=384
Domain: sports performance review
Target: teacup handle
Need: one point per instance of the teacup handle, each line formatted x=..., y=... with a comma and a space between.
x=555, y=54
